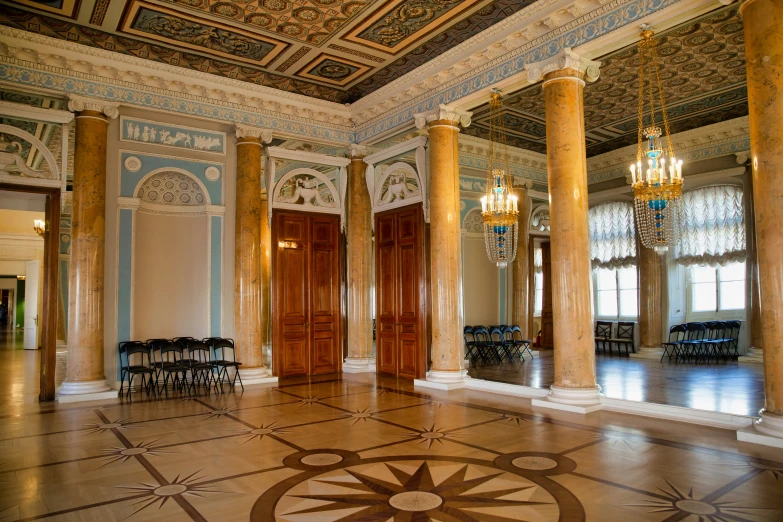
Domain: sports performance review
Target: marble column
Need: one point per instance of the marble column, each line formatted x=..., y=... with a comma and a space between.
x=266, y=275
x=85, y=374
x=360, y=270
x=520, y=267
x=575, y=388
x=445, y=251
x=754, y=352
x=650, y=298
x=248, y=255
x=763, y=21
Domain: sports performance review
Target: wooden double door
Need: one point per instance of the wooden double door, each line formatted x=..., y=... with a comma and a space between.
x=400, y=293
x=306, y=294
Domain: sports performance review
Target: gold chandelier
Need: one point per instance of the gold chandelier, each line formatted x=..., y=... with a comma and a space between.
x=499, y=205
x=657, y=174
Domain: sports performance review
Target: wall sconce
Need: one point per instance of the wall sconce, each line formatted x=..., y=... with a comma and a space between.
x=40, y=227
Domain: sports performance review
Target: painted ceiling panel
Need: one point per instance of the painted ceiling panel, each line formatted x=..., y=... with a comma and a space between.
x=703, y=76
x=336, y=50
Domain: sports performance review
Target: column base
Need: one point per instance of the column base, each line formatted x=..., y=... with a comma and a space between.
x=767, y=431
x=753, y=356
x=260, y=375
x=441, y=380
x=85, y=391
x=359, y=365
x=574, y=400
x=649, y=353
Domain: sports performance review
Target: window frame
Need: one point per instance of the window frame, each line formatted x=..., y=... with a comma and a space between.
x=718, y=313
x=618, y=293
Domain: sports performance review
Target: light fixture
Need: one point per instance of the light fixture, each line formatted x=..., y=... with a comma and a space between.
x=40, y=227
x=499, y=205
x=656, y=177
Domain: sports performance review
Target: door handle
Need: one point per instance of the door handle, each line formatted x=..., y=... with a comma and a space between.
x=307, y=326
x=36, y=320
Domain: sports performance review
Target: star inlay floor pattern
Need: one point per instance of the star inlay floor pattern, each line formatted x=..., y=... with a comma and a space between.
x=369, y=448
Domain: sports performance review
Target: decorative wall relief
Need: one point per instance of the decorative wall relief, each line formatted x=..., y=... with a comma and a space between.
x=172, y=188
x=11, y=151
x=177, y=136
x=473, y=225
x=399, y=182
x=307, y=188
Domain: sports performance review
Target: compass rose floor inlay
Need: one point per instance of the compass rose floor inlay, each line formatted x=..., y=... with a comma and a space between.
x=367, y=448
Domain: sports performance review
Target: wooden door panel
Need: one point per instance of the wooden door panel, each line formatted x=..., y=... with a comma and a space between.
x=324, y=295
x=322, y=287
x=306, y=294
x=399, y=282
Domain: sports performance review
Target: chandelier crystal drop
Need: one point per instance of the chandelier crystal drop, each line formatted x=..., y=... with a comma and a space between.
x=499, y=205
x=657, y=174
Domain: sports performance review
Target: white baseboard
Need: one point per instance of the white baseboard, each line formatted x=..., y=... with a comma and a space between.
x=749, y=434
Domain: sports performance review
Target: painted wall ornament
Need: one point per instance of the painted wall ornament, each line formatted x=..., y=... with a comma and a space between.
x=132, y=163
x=177, y=136
x=309, y=190
x=212, y=173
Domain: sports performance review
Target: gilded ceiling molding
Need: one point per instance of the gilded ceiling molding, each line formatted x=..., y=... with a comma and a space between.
x=82, y=103
x=564, y=61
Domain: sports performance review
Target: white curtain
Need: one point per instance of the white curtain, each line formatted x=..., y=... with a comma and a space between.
x=612, y=235
x=538, y=260
x=713, y=227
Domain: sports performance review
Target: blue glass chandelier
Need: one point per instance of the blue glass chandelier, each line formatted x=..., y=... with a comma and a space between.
x=499, y=204
x=656, y=177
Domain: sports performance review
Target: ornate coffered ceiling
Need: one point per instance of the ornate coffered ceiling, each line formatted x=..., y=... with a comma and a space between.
x=703, y=75
x=336, y=50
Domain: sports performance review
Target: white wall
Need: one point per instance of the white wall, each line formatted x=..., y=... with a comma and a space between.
x=170, y=291
x=480, y=285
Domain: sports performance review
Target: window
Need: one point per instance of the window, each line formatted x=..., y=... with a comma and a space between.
x=616, y=292
x=715, y=289
x=539, y=289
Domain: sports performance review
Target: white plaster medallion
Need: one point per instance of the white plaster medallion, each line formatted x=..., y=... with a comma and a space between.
x=321, y=459
x=133, y=164
x=212, y=173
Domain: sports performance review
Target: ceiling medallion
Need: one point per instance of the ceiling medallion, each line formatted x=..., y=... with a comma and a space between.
x=499, y=205
x=657, y=190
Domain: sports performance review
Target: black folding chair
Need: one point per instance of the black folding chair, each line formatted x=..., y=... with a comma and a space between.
x=524, y=344
x=202, y=369
x=484, y=345
x=471, y=351
x=732, y=337
x=171, y=366
x=130, y=367
x=219, y=347
x=499, y=341
x=694, y=345
x=677, y=335
x=154, y=346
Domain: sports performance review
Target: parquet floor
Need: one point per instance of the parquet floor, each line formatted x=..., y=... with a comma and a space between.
x=365, y=448
x=723, y=386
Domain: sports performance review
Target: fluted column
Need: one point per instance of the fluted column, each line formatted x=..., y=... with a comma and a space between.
x=359, y=238
x=85, y=375
x=446, y=252
x=574, y=387
x=763, y=21
x=248, y=255
x=520, y=270
x=650, y=298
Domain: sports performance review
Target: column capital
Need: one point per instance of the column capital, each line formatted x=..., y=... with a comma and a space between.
x=83, y=103
x=246, y=131
x=564, y=60
x=443, y=112
x=358, y=151
x=523, y=184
